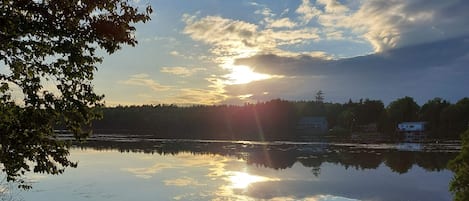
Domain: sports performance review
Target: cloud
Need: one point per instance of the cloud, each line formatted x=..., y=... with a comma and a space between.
x=398, y=23
x=385, y=24
x=397, y=30
x=290, y=37
x=286, y=65
x=332, y=6
x=196, y=96
x=307, y=11
x=293, y=88
x=333, y=34
x=144, y=80
x=281, y=23
x=269, y=18
x=439, y=66
x=175, y=53
x=232, y=39
x=218, y=30
x=181, y=71
x=406, y=59
x=266, y=12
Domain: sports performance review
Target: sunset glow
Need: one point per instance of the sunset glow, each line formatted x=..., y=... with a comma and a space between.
x=219, y=52
x=244, y=75
x=251, y=100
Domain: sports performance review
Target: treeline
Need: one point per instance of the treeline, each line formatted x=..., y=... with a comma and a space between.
x=277, y=119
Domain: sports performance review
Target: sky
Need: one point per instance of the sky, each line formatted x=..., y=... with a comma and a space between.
x=233, y=52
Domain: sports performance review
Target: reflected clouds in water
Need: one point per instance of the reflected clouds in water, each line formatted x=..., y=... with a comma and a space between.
x=147, y=172
x=231, y=171
x=183, y=181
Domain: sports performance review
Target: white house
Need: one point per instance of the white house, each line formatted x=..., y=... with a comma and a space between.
x=412, y=127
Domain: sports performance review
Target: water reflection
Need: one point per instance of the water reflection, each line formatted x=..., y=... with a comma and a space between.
x=189, y=170
x=432, y=157
x=241, y=180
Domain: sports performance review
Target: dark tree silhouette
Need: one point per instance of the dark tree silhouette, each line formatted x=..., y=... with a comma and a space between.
x=319, y=97
x=455, y=118
x=431, y=112
x=460, y=166
x=54, y=41
x=402, y=109
x=271, y=120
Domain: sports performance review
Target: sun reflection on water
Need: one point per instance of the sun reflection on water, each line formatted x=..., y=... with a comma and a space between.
x=241, y=180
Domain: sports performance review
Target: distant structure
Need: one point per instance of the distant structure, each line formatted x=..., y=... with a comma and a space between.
x=312, y=124
x=412, y=127
x=412, y=131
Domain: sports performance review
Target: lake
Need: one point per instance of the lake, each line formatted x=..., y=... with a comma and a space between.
x=242, y=170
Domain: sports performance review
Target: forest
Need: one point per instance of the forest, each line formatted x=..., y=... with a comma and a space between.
x=277, y=119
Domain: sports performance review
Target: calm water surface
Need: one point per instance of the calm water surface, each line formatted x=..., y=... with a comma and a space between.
x=216, y=170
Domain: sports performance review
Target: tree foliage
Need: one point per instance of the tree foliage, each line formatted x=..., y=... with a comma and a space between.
x=431, y=112
x=402, y=110
x=54, y=43
x=460, y=166
x=276, y=119
x=319, y=96
x=455, y=117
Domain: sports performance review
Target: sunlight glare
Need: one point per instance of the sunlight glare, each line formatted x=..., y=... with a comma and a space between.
x=244, y=74
x=241, y=180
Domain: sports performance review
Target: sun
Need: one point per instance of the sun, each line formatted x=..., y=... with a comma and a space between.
x=241, y=74
x=241, y=180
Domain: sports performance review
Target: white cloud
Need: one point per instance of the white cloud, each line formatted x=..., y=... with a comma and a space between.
x=175, y=53
x=291, y=37
x=215, y=29
x=280, y=23
x=390, y=24
x=332, y=6
x=284, y=12
x=334, y=34
x=181, y=71
x=384, y=24
x=233, y=39
x=266, y=12
x=196, y=96
x=144, y=80
x=307, y=11
x=237, y=39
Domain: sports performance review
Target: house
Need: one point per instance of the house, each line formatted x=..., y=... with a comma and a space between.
x=312, y=124
x=413, y=131
x=412, y=127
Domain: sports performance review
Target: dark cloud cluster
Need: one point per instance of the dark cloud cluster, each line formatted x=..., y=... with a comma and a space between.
x=422, y=71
